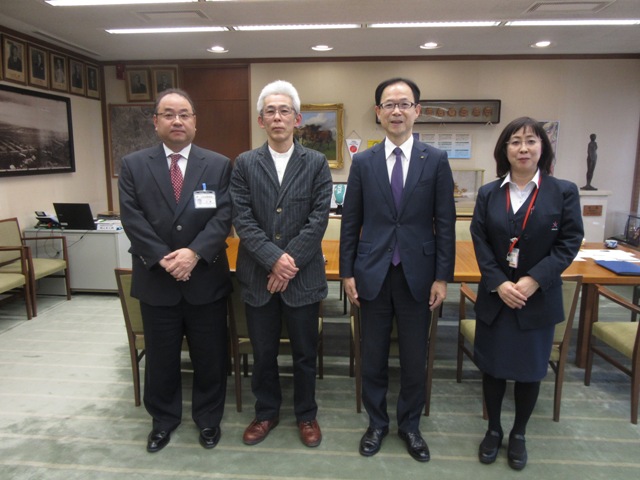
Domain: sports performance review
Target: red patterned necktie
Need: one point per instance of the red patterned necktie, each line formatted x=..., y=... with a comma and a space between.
x=176, y=175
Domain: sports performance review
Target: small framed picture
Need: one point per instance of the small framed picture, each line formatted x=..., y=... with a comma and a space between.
x=163, y=79
x=38, y=71
x=138, y=85
x=93, y=81
x=76, y=72
x=15, y=68
x=59, y=76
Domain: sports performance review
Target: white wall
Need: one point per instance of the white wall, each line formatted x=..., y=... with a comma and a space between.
x=585, y=96
x=21, y=196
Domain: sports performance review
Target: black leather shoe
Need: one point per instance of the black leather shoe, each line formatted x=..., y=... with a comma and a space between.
x=157, y=440
x=371, y=441
x=488, y=451
x=209, y=437
x=517, y=451
x=416, y=446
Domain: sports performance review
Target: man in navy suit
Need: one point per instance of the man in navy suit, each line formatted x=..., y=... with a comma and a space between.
x=397, y=253
x=180, y=269
x=281, y=196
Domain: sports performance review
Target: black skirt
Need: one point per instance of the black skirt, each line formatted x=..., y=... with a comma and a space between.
x=503, y=350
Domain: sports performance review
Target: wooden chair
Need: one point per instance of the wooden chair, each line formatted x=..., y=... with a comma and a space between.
x=561, y=339
x=240, y=344
x=16, y=283
x=622, y=338
x=333, y=233
x=356, y=357
x=10, y=236
x=135, y=329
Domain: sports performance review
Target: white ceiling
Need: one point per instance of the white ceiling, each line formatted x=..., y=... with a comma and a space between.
x=82, y=29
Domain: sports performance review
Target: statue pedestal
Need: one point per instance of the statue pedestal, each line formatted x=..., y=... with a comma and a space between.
x=593, y=205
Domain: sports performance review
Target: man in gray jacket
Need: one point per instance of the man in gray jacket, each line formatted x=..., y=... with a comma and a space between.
x=281, y=196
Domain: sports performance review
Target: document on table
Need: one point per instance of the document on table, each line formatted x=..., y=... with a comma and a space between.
x=605, y=254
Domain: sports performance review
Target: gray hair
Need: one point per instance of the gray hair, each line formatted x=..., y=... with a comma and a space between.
x=281, y=87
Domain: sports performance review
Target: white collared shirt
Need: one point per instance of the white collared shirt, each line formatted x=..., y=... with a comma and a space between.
x=182, y=163
x=518, y=196
x=281, y=160
x=406, y=148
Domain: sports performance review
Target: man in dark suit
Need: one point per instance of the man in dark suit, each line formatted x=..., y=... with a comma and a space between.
x=180, y=268
x=397, y=252
x=281, y=196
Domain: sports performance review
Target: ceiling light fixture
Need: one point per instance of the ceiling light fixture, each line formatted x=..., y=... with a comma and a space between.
x=217, y=49
x=541, y=44
x=570, y=23
x=433, y=24
x=322, y=48
x=129, y=31
x=95, y=3
x=258, y=28
x=430, y=46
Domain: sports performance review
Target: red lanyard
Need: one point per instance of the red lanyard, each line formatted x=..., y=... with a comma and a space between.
x=526, y=217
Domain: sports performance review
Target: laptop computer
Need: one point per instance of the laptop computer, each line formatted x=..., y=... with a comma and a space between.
x=75, y=216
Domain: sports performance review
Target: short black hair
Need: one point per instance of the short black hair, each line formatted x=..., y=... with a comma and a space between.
x=500, y=152
x=392, y=81
x=169, y=91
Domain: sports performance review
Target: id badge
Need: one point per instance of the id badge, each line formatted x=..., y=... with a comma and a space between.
x=512, y=257
x=204, y=199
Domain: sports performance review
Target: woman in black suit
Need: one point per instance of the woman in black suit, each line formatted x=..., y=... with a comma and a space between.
x=526, y=229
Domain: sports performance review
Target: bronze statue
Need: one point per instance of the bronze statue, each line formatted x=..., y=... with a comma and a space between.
x=592, y=157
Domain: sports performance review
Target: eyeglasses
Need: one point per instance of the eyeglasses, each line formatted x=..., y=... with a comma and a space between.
x=401, y=105
x=517, y=143
x=270, y=112
x=170, y=116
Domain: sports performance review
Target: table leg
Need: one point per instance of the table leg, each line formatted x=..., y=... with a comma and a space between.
x=587, y=304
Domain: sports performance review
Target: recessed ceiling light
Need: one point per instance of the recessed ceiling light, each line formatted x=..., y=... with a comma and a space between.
x=322, y=48
x=570, y=23
x=217, y=49
x=125, y=31
x=95, y=3
x=430, y=46
x=541, y=44
x=255, y=28
x=433, y=24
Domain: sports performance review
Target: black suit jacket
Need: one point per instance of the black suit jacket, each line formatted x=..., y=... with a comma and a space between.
x=424, y=226
x=157, y=226
x=548, y=245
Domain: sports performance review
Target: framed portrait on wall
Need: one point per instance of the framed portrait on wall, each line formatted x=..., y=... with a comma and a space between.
x=93, y=81
x=162, y=79
x=38, y=71
x=58, y=71
x=138, y=87
x=321, y=129
x=13, y=53
x=76, y=72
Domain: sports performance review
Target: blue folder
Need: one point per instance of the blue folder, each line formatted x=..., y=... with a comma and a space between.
x=620, y=267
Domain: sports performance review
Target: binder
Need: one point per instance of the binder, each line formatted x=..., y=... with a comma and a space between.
x=620, y=267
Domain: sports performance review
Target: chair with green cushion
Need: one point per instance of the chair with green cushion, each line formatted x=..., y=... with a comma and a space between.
x=11, y=236
x=356, y=355
x=135, y=329
x=571, y=286
x=240, y=347
x=608, y=338
x=11, y=283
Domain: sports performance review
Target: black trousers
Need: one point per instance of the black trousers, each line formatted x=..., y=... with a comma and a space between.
x=413, y=322
x=265, y=324
x=205, y=327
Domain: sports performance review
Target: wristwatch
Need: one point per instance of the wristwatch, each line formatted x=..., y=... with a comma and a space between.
x=198, y=257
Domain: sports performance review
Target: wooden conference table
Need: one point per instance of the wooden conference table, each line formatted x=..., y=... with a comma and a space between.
x=466, y=270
